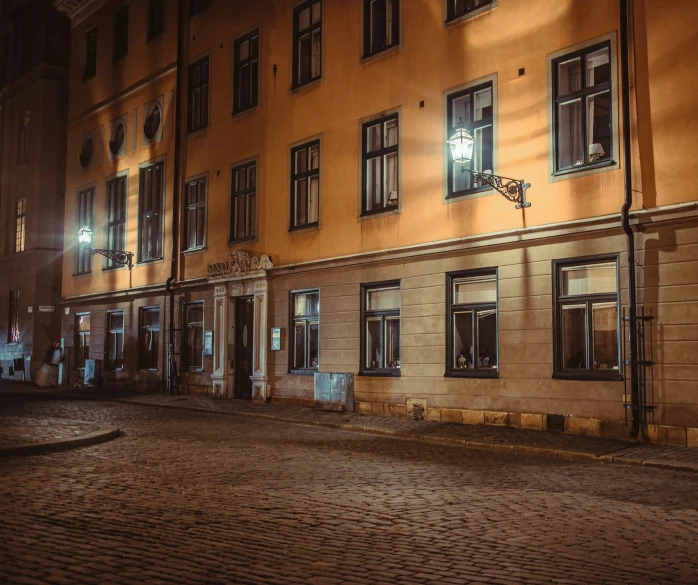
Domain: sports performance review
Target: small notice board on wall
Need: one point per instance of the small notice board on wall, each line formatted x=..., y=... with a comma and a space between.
x=208, y=342
x=275, y=338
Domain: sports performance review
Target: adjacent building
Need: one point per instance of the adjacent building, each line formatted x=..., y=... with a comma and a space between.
x=280, y=172
x=34, y=40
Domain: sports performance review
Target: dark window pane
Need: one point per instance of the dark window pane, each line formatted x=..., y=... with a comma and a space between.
x=605, y=336
x=570, y=134
x=463, y=341
x=487, y=338
x=299, y=345
x=313, y=345
x=373, y=343
x=574, y=351
x=392, y=342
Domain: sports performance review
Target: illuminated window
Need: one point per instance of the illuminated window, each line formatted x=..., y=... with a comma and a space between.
x=114, y=354
x=194, y=335
x=472, y=324
x=305, y=311
x=307, y=42
x=587, y=329
x=380, y=335
x=243, y=202
x=116, y=218
x=82, y=339
x=305, y=184
x=85, y=218
x=149, y=342
x=380, y=165
x=195, y=214
x=381, y=25
x=246, y=88
x=23, y=146
x=20, y=225
x=13, y=329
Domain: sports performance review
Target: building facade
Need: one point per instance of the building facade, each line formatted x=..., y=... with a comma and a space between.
x=301, y=163
x=33, y=110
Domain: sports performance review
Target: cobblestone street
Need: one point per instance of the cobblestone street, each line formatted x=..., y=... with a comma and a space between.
x=183, y=497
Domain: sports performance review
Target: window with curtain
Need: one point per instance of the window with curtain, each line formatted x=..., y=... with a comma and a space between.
x=195, y=214
x=114, y=345
x=305, y=185
x=380, y=335
x=582, y=109
x=381, y=25
x=85, y=218
x=82, y=339
x=587, y=326
x=243, y=203
x=149, y=338
x=474, y=108
x=151, y=186
x=380, y=165
x=116, y=218
x=471, y=326
x=246, y=90
x=307, y=42
x=20, y=225
x=305, y=315
x=197, y=117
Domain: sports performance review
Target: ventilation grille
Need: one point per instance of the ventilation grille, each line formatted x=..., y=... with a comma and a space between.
x=555, y=422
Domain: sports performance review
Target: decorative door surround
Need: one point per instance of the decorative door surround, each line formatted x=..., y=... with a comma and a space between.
x=240, y=275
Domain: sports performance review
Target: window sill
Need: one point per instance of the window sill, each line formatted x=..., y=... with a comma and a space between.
x=192, y=251
x=242, y=241
x=82, y=274
x=148, y=370
x=369, y=58
x=472, y=374
x=119, y=60
x=113, y=268
x=90, y=78
x=469, y=194
x=309, y=372
x=381, y=373
x=194, y=371
x=392, y=210
x=469, y=15
x=237, y=115
x=304, y=228
x=155, y=40
x=197, y=132
x=149, y=261
x=585, y=376
x=582, y=168
x=581, y=171
x=295, y=88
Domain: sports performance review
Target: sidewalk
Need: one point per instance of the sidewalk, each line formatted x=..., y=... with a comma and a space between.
x=489, y=438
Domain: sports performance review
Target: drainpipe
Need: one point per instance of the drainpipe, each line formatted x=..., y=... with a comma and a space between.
x=173, y=374
x=625, y=221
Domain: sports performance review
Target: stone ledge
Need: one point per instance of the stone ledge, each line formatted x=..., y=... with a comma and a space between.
x=101, y=435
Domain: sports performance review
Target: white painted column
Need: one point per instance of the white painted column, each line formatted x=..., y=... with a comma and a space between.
x=220, y=342
x=259, y=348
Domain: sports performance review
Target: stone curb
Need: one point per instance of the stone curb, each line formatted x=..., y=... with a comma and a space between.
x=101, y=435
x=515, y=448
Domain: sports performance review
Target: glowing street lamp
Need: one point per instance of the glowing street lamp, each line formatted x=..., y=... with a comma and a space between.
x=462, y=145
x=119, y=256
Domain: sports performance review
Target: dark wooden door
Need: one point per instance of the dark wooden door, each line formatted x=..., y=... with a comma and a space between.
x=244, y=319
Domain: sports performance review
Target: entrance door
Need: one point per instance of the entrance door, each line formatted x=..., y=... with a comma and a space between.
x=244, y=318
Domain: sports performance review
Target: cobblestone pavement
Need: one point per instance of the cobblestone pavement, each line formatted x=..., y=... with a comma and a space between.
x=189, y=498
x=19, y=429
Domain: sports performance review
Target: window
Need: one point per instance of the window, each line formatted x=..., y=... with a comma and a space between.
x=457, y=8
x=472, y=324
x=380, y=336
x=90, y=55
x=586, y=319
x=307, y=42
x=380, y=165
x=156, y=18
x=13, y=329
x=20, y=225
x=150, y=212
x=246, y=90
x=381, y=25
x=305, y=184
x=149, y=340
x=474, y=108
x=243, y=202
x=114, y=351
x=195, y=214
x=82, y=339
x=83, y=254
x=194, y=320
x=305, y=310
x=121, y=33
x=198, y=95
x=582, y=109
x=116, y=218
x=23, y=146
x=197, y=6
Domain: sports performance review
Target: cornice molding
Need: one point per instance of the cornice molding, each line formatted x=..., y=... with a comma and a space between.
x=78, y=10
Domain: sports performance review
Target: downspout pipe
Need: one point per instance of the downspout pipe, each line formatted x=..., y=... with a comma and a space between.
x=169, y=285
x=625, y=221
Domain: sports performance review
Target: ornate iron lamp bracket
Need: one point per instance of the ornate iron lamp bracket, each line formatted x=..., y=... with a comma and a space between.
x=118, y=256
x=512, y=189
